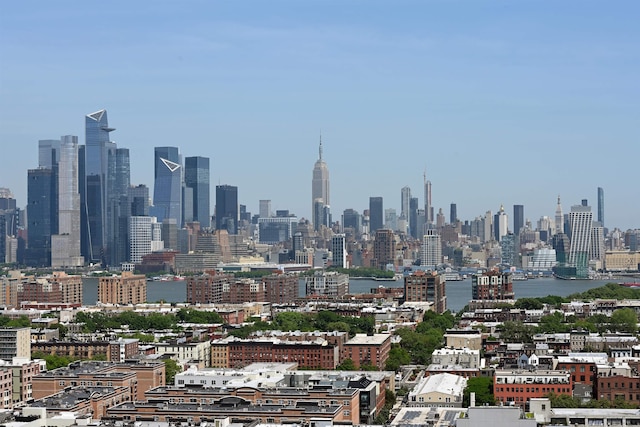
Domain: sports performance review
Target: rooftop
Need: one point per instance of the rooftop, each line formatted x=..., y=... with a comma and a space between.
x=364, y=339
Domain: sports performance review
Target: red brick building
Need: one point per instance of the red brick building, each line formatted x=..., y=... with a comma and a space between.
x=426, y=287
x=365, y=349
x=517, y=387
x=281, y=288
x=583, y=367
x=492, y=285
x=207, y=288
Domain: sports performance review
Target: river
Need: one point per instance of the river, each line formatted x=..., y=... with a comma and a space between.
x=458, y=293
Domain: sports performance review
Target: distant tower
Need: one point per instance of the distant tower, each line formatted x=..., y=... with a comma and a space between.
x=320, y=182
x=453, y=213
x=339, y=251
x=265, y=208
x=518, y=219
x=405, y=200
x=559, y=218
x=196, y=177
x=428, y=207
x=376, y=214
x=167, y=188
x=580, y=219
x=601, y=206
x=431, y=253
x=227, y=208
x=500, y=224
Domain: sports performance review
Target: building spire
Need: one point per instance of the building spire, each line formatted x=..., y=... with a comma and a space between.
x=320, y=148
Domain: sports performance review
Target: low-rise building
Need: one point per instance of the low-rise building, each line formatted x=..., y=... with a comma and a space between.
x=518, y=386
x=438, y=390
x=365, y=349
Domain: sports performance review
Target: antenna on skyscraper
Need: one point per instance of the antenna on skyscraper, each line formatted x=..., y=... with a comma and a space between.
x=320, y=148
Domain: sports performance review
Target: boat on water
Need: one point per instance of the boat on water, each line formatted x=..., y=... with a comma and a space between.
x=630, y=284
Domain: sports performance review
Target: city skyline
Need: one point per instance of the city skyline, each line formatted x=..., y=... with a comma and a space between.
x=430, y=85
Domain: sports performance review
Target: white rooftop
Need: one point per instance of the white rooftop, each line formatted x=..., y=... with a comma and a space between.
x=440, y=383
x=364, y=339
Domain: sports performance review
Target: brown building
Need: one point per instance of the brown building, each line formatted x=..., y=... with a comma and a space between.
x=123, y=349
x=40, y=290
x=207, y=288
x=384, y=248
x=73, y=349
x=137, y=377
x=583, y=367
x=517, y=387
x=162, y=261
x=492, y=285
x=365, y=349
x=70, y=286
x=124, y=289
x=22, y=378
x=240, y=291
x=426, y=287
x=281, y=288
x=6, y=387
x=84, y=400
x=622, y=387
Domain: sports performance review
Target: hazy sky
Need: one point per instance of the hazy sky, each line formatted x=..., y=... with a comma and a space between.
x=503, y=102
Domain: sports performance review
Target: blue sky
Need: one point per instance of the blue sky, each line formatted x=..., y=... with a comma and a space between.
x=503, y=102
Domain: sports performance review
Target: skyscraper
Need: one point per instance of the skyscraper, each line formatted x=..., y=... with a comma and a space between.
x=580, y=220
x=601, y=206
x=376, y=214
x=339, y=251
x=40, y=208
x=265, y=208
x=100, y=197
x=405, y=200
x=413, y=217
x=500, y=224
x=518, y=219
x=227, y=208
x=65, y=245
x=559, y=218
x=167, y=185
x=320, y=181
x=428, y=207
x=196, y=177
x=352, y=219
x=453, y=214
x=431, y=253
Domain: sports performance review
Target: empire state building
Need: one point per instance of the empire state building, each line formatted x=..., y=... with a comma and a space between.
x=319, y=184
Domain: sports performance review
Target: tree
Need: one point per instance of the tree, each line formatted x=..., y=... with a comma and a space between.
x=516, y=332
x=483, y=388
x=346, y=365
x=398, y=356
x=528, y=304
x=553, y=323
x=171, y=369
x=624, y=320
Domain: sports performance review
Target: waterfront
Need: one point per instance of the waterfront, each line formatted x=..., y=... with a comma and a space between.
x=458, y=293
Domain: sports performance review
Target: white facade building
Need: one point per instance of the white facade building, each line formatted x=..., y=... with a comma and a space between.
x=145, y=236
x=431, y=252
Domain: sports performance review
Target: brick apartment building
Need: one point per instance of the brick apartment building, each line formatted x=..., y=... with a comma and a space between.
x=127, y=288
x=365, y=349
x=426, y=287
x=517, y=387
x=492, y=285
x=207, y=288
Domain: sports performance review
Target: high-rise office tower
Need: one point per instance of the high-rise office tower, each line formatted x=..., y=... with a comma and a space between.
x=320, y=181
x=428, y=207
x=500, y=224
x=453, y=214
x=597, y=251
x=413, y=217
x=321, y=215
x=48, y=153
x=265, y=208
x=391, y=219
x=559, y=218
x=352, y=219
x=99, y=190
x=405, y=200
x=585, y=202
x=227, y=208
x=510, y=252
x=376, y=214
x=580, y=220
x=383, y=248
x=488, y=234
x=196, y=177
x=339, y=251
x=440, y=221
x=601, y=206
x=431, y=253
x=42, y=223
x=65, y=245
x=518, y=218
x=167, y=185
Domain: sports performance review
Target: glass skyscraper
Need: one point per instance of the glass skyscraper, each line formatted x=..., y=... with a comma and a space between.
x=601, y=206
x=167, y=185
x=376, y=214
x=196, y=177
x=227, y=208
x=42, y=222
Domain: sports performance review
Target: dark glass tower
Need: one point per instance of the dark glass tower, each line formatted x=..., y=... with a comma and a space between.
x=518, y=218
x=413, y=217
x=99, y=188
x=196, y=177
x=227, y=208
x=601, y=206
x=376, y=214
x=42, y=221
x=167, y=186
x=453, y=214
